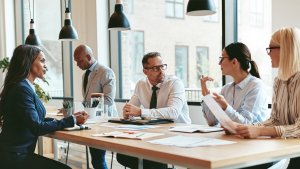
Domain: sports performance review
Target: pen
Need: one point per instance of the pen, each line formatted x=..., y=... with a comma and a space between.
x=139, y=135
x=130, y=117
x=83, y=127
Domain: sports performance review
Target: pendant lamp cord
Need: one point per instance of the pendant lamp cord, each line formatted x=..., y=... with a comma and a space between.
x=67, y=4
x=31, y=12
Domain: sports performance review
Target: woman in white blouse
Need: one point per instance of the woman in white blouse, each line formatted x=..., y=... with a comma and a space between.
x=244, y=100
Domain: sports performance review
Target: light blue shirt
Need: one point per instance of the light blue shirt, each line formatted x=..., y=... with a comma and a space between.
x=247, y=102
x=30, y=84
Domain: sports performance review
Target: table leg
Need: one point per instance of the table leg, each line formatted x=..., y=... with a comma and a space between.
x=40, y=145
x=140, y=163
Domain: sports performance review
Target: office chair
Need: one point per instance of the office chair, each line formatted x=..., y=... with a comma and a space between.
x=87, y=157
x=86, y=153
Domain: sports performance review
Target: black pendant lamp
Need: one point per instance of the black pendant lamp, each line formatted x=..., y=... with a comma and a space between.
x=68, y=32
x=32, y=38
x=201, y=7
x=118, y=20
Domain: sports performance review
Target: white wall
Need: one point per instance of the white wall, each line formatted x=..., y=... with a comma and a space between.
x=285, y=13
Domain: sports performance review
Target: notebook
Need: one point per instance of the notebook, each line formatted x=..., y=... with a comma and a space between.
x=141, y=121
x=128, y=135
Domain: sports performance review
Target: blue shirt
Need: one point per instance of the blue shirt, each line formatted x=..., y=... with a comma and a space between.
x=247, y=102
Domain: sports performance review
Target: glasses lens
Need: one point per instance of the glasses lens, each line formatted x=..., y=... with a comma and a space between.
x=220, y=59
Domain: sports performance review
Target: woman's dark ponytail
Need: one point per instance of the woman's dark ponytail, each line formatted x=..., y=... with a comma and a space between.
x=254, y=69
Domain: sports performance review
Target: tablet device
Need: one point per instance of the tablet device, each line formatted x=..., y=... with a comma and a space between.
x=141, y=121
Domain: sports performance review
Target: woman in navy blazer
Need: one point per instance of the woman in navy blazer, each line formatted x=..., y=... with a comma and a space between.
x=22, y=115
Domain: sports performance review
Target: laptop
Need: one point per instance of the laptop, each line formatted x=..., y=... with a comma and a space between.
x=141, y=121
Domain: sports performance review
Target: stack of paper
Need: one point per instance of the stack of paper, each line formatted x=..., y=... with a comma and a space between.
x=183, y=141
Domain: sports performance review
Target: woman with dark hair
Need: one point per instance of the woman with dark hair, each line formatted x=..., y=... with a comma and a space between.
x=244, y=100
x=22, y=114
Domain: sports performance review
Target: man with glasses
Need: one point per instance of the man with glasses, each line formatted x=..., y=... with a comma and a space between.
x=156, y=96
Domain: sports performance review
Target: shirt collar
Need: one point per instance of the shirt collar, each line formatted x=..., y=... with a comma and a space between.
x=158, y=85
x=244, y=82
x=93, y=66
x=30, y=84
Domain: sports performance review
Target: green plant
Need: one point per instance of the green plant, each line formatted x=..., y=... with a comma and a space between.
x=4, y=63
x=67, y=104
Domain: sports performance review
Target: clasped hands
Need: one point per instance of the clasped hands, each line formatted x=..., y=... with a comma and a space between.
x=130, y=110
x=81, y=117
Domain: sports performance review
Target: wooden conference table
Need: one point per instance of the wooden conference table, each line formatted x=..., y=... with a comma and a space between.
x=245, y=152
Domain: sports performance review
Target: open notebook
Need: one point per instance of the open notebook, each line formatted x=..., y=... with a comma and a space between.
x=140, y=121
x=128, y=135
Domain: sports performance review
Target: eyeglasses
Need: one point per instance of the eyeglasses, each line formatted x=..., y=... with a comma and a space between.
x=221, y=58
x=157, y=68
x=269, y=49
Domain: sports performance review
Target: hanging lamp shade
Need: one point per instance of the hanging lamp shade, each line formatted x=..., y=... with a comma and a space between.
x=68, y=32
x=118, y=20
x=201, y=7
x=32, y=38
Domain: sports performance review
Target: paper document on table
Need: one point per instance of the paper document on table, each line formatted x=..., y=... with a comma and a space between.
x=195, y=128
x=129, y=135
x=221, y=116
x=135, y=127
x=183, y=141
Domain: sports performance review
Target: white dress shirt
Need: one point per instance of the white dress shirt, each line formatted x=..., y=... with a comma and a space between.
x=171, y=100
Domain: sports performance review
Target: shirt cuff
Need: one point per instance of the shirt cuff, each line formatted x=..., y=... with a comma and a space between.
x=74, y=118
x=229, y=110
x=145, y=113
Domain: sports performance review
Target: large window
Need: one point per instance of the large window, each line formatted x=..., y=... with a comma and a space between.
x=257, y=13
x=257, y=37
x=152, y=31
x=47, y=27
x=202, y=66
x=181, y=63
x=133, y=52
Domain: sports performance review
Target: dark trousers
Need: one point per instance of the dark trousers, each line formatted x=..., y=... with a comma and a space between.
x=98, y=158
x=294, y=163
x=133, y=162
x=12, y=160
x=260, y=166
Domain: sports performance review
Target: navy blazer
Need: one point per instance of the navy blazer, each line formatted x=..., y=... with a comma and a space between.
x=24, y=120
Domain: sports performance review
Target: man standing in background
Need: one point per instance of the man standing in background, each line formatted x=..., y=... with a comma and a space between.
x=96, y=79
